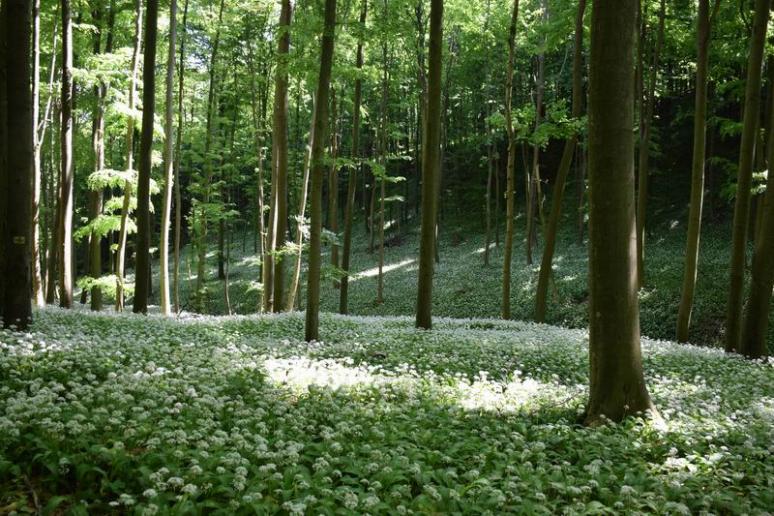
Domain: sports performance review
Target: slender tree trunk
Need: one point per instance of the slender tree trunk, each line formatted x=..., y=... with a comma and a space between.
x=142, y=259
x=511, y=171
x=312, y=324
x=17, y=178
x=65, y=237
x=178, y=153
x=279, y=211
x=617, y=385
x=431, y=147
x=128, y=184
x=37, y=282
x=383, y=162
x=744, y=174
x=53, y=248
x=169, y=134
x=352, y=183
x=564, y=169
x=697, y=172
x=333, y=184
x=649, y=101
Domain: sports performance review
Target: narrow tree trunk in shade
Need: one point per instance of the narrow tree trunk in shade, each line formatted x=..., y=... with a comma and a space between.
x=510, y=180
x=744, y=174
x=383, y=163
x=142, y=245
x=333, y=183
x=352, y=182
x=128, y=184
x=617, y=385
x=279, y=212
x=431, y=148
x=65, y=229
x=53, y=249
x=564, y=169
x=697, y=172
x=37, y=280
x=643, y=169
x=488, y=197
x=178, y=152
x=312, y=323
x=169, y=134
x=17, y=184
x=754, y=330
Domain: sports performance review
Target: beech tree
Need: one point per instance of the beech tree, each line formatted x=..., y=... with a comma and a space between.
x=142, y=259
x=431, y=149
x=16, y=167
x=66, y=180
x=510, y=181
x=617, y=386
x=744, y=175
x=312, y=324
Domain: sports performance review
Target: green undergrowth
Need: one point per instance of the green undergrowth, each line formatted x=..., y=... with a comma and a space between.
x=237, y=415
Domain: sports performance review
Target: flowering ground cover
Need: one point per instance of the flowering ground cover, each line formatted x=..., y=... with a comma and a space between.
x=104, y=413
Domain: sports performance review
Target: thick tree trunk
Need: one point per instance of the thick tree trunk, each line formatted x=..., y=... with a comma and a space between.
x=65, y=229
x=564, y=169
x=617, y=385
x=3, y=154
x=17, y=184
x=510, y=181
x=169, y=134
x=744, y=175
x=352, y=183
x=142, y=270
x=697, y=173
x=128, y=184
x=643, y=169
x=312, y=323
x=431, y=147
x=178, y=153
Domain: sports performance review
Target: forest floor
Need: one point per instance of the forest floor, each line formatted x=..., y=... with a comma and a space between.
x=465, y=287
x=108, y=413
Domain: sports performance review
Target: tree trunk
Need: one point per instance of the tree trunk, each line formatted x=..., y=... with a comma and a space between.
x=617, y=386
x=16, y=303
x=333, y=184
x=744, y=177
x=169, y=134
x=383, y=162
x=352, y=183
x=178, y=153
x=37, y=281
x=431, y=147
x=3, y=155
x=312, y=323
x=65, y=229
x=142, y=270
x=697, y=172
x=564, y=169
x=510, y=181
x=643, y=169
x=123, y=230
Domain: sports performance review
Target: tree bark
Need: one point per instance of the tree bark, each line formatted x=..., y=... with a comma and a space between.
x=17, y=184
x=312, y=323
x=617, y=386
x=333, y=184
x=169, y=134
x=431, y=147
x=65, y=229
x=744, y=177
x=142, y=259
x=279, y=212
x=697, y=172
x=37, y=280
x=510, y=181
x=352, y=182
x=564, y=169
x=178, y=153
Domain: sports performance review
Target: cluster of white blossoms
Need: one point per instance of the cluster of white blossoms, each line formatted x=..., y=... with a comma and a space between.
x=477, y=416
